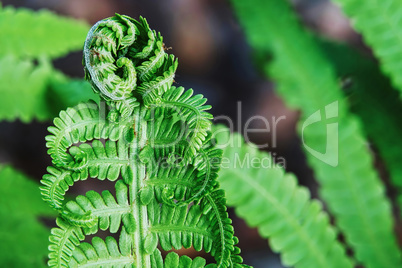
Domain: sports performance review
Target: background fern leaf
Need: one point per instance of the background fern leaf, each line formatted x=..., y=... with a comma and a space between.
x=272, y=201
x=305, y=87
x=381, y=28
x=30, y=91
x=65, y=92
x=23, y=89
x=43, y=33
x=23, y=237
x=380, y=119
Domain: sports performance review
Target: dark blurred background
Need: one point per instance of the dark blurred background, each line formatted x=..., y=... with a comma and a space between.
x=214, y=60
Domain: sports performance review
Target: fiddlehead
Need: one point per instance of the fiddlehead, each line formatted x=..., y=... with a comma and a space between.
x=154, y=140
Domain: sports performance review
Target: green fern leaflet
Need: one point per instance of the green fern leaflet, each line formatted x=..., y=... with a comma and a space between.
x=154, y=140
x=271, y=200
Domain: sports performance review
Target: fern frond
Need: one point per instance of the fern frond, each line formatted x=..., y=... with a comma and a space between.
x=101, y=253
x=189, y=109
x=380, y=118
x=151, y=91
x=178, y=227
x=167, y=134
x=96, y=161
x=173, y=260
x=145, y=40
x=104, y=161
x=195, y=179
x=149, y=67
x=144, y=58
x=381, y=26
x=63, y=241
x=204, y=226
x=105, y=211
x=55, y=184
x=224, y=250
x=271, y=200
x=43, y=33
x=154, y=190
x=82, y=123
x=352, y=189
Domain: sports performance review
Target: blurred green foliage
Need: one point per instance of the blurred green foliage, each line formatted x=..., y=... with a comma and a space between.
x=31, y=88
x=310, y=76
x=23, y=235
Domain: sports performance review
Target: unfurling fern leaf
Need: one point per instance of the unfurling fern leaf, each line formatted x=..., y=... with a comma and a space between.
x=154, y=140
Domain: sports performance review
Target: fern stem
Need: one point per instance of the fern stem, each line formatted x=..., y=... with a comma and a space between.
x=139, y=211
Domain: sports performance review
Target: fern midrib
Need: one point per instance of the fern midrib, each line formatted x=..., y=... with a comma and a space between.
x=152, y=63
x=158, y=85
x=115, y=161
x=163, y=141
x=111, y=262
x=139, y=211
x=55, y=185
x=67, y=233
x=163, y=182
x=109, y=211
x=363, y=219
x=221, y=229
x=286, y=215
x=207, y=175
x=161, y=228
